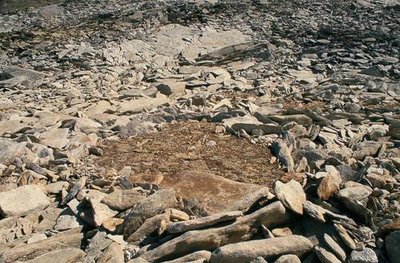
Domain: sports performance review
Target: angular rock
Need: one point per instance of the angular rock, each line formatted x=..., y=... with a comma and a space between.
x=249, y=123
x=149, y=207
x=97, y=244
x=300, y=119
x=23, y=200
x=202, y=222
x=335, y=247
x=171, y=87
x=94, y=212
x=291, y=195
x=9, y=150
x=113, y=254
x=55, y=137
x=123, y=199
x=283, y=154
x=149, y=226
x=366, y=255
x=67, y=220
x=137, y=106
x=325, y=256
x=281, y=232
x=330, y=184
x=267, y=248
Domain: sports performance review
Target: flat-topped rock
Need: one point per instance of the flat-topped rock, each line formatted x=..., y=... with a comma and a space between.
x=214, y=193
x=23, y=200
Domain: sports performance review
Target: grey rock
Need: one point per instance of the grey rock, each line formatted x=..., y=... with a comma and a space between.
x=249, y=123
x=180, y=227
x=123, y=199
x=149, y=207
x=19, y=76
x=283, y=154
x=202, y=255
x=268, y=248
x=259, y=260
x=297, y=118
x=9, y=150
x=392, y=242
x=335, y=247
x=366, y=255
x=67, y=220
x=57, y=187
x=97, y=244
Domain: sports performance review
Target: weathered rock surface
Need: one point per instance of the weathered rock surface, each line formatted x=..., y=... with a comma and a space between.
x=68, y=255
x=149, y=207
x=310, y=94
x=23, y=200
x=123, y=199
x=291, y=195
x=208, y=239
x=268, y=248
x=181, y=227
x=71, y=238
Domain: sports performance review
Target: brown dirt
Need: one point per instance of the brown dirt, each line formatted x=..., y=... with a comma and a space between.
x=187, y=146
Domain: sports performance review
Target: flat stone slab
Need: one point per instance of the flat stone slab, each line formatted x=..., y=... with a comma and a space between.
x=214, y=193
x=183, y=226
x=23, y=200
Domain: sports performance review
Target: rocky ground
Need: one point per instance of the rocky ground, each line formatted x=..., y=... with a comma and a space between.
x=200, y=131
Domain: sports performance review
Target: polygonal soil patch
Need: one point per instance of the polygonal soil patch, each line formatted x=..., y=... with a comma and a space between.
x=193, y=146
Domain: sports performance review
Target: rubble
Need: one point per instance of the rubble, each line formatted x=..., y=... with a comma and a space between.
x=199, y=131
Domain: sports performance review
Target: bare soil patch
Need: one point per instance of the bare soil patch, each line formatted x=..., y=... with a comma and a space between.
x=192, y=146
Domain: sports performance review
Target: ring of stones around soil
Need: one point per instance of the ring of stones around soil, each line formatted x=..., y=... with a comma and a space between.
x=327, y=104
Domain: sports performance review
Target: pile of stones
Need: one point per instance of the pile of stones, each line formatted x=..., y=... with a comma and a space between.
x=316, y=81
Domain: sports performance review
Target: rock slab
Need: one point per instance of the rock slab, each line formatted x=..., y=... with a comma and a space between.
x=23, y=200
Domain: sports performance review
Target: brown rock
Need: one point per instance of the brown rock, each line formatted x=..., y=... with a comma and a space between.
x=69, y=255
x=113, y=254
x=215, y=193
x=330, y=184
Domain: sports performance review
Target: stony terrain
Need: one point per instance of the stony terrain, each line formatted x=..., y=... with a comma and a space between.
x=200, y=131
